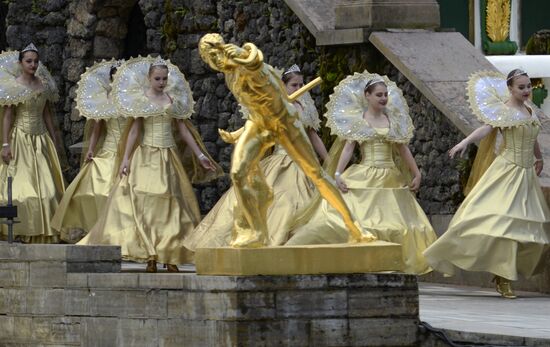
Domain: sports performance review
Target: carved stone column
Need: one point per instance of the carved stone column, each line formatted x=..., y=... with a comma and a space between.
x=381, y=14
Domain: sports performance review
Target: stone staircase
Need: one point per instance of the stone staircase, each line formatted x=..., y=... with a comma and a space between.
x=338, y=22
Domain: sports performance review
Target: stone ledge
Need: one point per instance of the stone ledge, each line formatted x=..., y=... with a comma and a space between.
x=295, y=260
x=381, y=14
x=69, y=253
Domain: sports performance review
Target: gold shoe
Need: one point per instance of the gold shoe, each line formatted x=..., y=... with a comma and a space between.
x=151, y=266
x=504, y=287
x=172, y=268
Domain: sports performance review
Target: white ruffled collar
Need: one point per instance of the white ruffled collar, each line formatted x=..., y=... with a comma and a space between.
x=487, y=94
x=347, y=106
x=13, y=92
x=131, y=82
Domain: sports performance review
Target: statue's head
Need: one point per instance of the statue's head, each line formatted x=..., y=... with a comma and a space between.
x=211, y=51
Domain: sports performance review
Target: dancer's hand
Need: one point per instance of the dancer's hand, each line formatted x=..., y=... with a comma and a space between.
x=341, y=184
x=6, y=154
x=459, y=148
x=124, y=169
x=415, y=183
x=539, y=164
x=206, y=163
x=89, y=156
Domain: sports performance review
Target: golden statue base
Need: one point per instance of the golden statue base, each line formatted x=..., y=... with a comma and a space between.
x=374, y=256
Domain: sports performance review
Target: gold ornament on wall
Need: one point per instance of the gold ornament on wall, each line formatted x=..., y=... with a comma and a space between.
x=498, y=20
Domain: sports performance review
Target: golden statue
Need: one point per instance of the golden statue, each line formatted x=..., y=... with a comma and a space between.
x=273, y=119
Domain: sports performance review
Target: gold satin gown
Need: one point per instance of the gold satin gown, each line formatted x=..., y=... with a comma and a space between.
x=380, y=199
x=37, y=178
x=87, y=194
x=503, y=225
x=291, y=191
x=149, y=212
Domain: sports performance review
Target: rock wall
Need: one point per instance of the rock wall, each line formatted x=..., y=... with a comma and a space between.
x=73, y=34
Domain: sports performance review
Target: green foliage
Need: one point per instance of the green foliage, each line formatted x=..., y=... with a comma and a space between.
x=539, y=43
x=181, y=11
x=169, y=28
x=37, y=7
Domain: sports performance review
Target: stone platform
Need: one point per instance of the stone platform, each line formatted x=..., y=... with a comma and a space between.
x=480, y=317
x=374, y=256
x=47, y=299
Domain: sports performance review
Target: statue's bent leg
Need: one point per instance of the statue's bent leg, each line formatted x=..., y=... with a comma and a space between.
x=252, y=192
x=296, y=144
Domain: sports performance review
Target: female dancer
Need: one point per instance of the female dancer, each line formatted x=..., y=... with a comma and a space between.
x=291, y=188
x=87, y=194
x=503, y=225
x=153, y=206
x=370, y=110
x=29, y=144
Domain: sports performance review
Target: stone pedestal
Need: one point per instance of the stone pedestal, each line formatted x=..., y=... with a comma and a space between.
x=43, y=303
x=382, y=14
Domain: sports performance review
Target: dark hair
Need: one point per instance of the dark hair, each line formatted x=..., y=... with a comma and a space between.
x=153, y=67
x=22, y=54
x=112, y=72
x=513, y=75
x=288, y=76
x=369, y=87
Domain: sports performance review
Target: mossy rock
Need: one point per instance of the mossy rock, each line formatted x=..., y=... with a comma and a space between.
x=539, y=43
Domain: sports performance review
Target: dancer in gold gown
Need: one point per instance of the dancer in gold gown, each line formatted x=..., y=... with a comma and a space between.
x=29, y=154
x=152, y=207
x=292, y=190
x=503, y=225
x=370, y=110
x=87, y=194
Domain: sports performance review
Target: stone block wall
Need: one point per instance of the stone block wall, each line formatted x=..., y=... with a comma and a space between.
x=44, y=301
x=73, y=34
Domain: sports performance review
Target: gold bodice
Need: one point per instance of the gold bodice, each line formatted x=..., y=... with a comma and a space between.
x=29, y=116
x=519, y=142
x=157, y=131
x=113, y=131
x=377, y=152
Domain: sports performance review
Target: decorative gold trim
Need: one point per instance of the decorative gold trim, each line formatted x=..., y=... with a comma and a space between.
x=498, y=20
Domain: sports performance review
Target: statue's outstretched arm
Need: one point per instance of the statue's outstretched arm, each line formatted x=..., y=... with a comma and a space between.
x=230, y=137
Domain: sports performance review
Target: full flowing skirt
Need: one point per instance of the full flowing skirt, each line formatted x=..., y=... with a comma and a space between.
x=291, y=191
x=382, y=204
x=37, y=186
x=502, y=227
x=85, y=197
x=149, y=212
